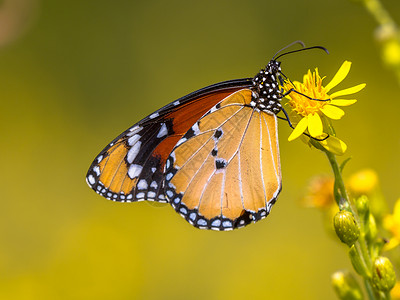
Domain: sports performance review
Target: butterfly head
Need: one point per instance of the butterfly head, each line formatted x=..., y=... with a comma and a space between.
x=267, y=91
x=274, y=67
x=266, y=94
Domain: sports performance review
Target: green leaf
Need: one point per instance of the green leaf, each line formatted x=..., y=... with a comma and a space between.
x=344, y=163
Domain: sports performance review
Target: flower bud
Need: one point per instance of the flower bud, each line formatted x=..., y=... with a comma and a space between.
x=372, y=230
x=390, y=53
x=358, y=263
x=378, y=247
x=383, y=276
x=362, y=204
x=346, y=286
x=346, y=227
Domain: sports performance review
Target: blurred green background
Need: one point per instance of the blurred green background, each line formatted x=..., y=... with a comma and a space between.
x=74, y=74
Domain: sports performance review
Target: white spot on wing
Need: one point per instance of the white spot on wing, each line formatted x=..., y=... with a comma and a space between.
x=163, y=131
x=134, y=171
x=154, y=184
x=214, y=108
x=155, y=115
x=182, y=140
x=133, y=152
x=132, y=140
x=136, y=129
x=176, y=103
x=216, y=223
x=201, y=222
x=172, y=155
x=196, y=129
x=142, y=184
x=96, y=169
x=91, y=179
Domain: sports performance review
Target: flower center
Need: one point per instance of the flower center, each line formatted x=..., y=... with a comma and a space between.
x=312, y=87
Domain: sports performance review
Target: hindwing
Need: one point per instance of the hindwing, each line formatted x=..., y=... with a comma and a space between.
x=225, y=171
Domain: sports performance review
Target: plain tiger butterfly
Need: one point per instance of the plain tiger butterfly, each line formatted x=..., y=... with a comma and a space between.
x=212, y=154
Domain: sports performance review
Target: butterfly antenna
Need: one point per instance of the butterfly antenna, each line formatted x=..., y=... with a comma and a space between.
x=288, y=46
x=298, y=50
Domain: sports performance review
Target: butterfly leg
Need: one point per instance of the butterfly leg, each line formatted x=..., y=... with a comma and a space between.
x=297, y=92
x=306, y=134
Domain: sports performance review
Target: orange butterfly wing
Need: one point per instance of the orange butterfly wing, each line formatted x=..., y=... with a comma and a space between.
x=131, y=167
x=225, y=171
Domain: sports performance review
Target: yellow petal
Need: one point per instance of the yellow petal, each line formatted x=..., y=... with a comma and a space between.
x=393, y=242
x=306, y=76
x=332, y=112
x=388, y=222
x=315, y=125
x=396, y=211
x=339, y=76
x=299, y=129
x=342, y=102
x=349, y=91
x=334, y=145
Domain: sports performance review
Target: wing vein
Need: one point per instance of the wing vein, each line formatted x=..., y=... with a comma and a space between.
x=208, y=180
x=272, y=154
x=238, y=152
x=261, y=164
x=222, y=190
x=198, y=150
x=240, y=179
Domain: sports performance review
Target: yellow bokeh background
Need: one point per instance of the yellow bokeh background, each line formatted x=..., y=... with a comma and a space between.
x=75, y=74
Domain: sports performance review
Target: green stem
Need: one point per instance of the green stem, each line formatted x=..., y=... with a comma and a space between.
x=369, y=289
x=338, y=177
x=380, y=14
x=388, y=34
x=344, y=202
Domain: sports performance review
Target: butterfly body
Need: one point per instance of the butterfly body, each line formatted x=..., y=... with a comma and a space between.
x=213, y=154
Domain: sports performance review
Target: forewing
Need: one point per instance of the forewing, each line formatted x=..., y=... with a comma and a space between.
x=225, y=172
x=131, y=167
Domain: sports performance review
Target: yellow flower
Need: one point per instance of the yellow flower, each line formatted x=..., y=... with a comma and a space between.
x=395, y=292
x=315, y=114
x=363, y=182
x=366, y=182
x=319, y=193
x=392, y=224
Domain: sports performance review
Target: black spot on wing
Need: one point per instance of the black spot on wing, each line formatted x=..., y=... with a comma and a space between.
x=218, y=133
x=220, y=163
x=190, y=133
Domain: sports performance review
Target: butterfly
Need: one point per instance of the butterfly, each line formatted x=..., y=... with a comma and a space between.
x=212, y=154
